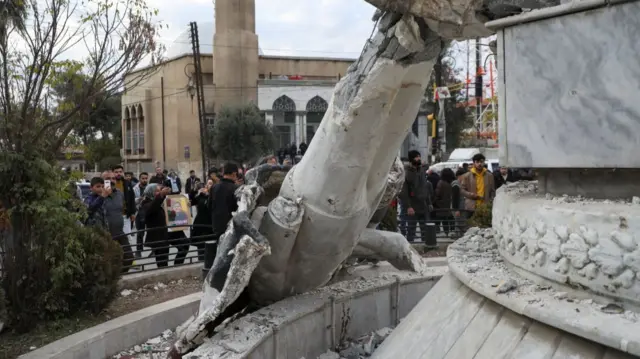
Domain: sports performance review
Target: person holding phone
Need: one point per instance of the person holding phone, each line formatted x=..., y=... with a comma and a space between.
x=114, y=207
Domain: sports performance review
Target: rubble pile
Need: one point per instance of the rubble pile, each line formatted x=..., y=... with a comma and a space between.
x=154, y=348
x=146, y=289
x=358, y=348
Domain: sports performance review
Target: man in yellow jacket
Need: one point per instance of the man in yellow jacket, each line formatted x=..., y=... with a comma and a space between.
x=477, y=186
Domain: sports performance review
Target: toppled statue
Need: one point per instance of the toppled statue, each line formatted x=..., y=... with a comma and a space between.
x=329, y=204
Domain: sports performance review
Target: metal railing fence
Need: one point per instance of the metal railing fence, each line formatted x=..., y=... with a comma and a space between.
x=139, y=255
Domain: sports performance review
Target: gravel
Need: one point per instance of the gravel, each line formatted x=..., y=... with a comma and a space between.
x=154, y=348
x=359, y=348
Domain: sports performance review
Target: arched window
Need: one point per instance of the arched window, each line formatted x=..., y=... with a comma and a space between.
x=317, y=104
x=126, y=125
x=284, y=120
x=284, y=104
x=140, y=131
x=316, y=108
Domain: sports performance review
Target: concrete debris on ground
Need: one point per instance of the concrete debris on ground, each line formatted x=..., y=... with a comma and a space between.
x=150, y=287
x=358, y=348
x=154, y=348
x=363, y=347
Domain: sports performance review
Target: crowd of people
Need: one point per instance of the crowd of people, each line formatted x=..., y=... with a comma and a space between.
x=448, y=198
x=119, y=202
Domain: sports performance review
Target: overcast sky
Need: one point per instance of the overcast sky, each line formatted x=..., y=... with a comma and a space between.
x=331, y=28
x=337, y=28
x=313, y=28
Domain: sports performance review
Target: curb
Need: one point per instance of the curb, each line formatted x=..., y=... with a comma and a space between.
x=116, y=335
x=111, y=337
x=139, y=279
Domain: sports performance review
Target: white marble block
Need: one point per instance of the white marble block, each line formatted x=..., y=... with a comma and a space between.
x=569, y=86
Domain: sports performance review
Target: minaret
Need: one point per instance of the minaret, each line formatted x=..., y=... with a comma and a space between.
x=235, y=53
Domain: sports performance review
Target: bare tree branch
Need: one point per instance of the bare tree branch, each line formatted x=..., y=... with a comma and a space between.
x=109, y=38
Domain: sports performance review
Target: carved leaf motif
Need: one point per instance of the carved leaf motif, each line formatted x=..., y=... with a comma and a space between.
x=589, y=235
x=511, y=248
x=562, y=232
x=532, y=241
x=624, y=280
x=608, y=256
x=590, y=271
x=576, y=249
x=632, y=260
x=562, y=266
x=550, y=243
x=624, y=240
x=541, y=258
x=529, y=235
x=541, y=228
x=515, y=229
x=522, y=223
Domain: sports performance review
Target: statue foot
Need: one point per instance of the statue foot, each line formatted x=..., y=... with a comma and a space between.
x=391, y=247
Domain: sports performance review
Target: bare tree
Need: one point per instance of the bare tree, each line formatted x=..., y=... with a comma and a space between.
x=113, y=37
x=84, y=47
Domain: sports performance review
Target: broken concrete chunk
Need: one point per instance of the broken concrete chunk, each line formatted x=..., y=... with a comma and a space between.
x=329, y=355
x=507, y=286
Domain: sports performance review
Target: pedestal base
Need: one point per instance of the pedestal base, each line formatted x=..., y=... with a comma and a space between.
x=589, y=244
x=465, y=316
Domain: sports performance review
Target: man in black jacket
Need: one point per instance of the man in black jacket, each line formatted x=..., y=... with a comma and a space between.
x=504, y=176
x=190, y=184
x=415, y=197
x=160, y=178
x=222, y=199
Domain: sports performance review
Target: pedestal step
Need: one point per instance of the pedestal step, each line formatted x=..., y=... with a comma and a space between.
x=454, y=322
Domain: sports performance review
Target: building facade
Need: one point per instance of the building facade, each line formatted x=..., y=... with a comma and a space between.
x=159, y=108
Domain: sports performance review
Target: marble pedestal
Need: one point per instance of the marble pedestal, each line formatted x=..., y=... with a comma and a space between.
x=485, y=309
x=568, y=86
x=558, y=274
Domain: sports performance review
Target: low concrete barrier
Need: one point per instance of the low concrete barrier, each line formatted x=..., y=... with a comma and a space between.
x=111, y=337
x=308, y=324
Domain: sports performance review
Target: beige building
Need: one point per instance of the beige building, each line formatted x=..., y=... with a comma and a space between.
x=160, y=114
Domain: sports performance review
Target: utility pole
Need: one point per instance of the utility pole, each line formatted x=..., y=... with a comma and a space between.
x=195, y=44
x=438, y=83
x=478, y=92
x=440, y=104
x=468, y=79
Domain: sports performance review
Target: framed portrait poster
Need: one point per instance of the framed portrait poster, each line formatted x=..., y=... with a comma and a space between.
x=177, y=210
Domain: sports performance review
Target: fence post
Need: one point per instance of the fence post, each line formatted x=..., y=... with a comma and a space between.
x=430, y=239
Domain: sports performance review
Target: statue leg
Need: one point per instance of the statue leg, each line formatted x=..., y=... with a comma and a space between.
x=391, y=247
x=242, y=260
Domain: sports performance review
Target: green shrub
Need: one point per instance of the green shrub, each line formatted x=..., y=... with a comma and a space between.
x=482, y=216
x=53, y=266
x=390, y=220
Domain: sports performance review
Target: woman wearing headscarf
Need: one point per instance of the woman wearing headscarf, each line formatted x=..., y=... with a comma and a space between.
x=203, y=223
x=156, y=222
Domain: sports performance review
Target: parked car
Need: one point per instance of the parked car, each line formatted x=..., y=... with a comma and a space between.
x=84, y=189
